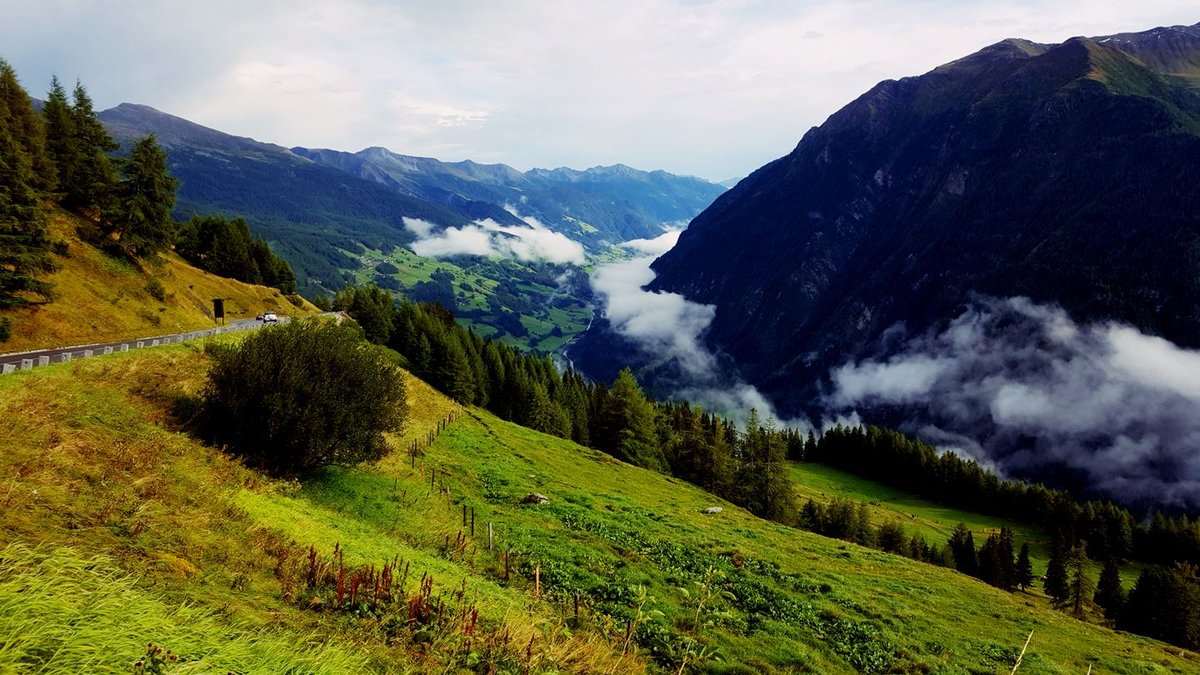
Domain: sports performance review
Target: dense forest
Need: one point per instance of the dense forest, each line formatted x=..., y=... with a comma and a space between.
x=64, y=156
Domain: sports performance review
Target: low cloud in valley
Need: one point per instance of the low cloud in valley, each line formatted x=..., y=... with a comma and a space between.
x=668, y=328
x=1023, y=388
x=488, y=238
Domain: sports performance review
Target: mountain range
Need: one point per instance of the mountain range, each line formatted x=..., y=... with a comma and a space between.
x=1065, y=173
x=320, y=207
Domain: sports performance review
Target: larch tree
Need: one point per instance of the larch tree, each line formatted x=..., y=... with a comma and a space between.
x=1056, y=583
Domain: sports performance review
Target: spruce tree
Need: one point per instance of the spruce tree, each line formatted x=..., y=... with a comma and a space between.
x=90, y=183
x=1109, y=593
x=962, y=547
x=1056, y=584
x=26, y=127
x=628, y=425
x=141, y=214
x=1024, y=568
x=61, y=143
x=24, y=244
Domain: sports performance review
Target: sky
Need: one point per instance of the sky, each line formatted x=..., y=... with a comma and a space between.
x=712, y=89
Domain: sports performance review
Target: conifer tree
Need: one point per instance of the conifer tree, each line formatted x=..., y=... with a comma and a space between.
x=26, y=128
x=1079, y=587
x=90, y=182
x=24, y=244
x=1109, y=593
x=628, y=425
x=962, y=548
x=60, y=136
x=141, y=214
x=1057, y=584
x=1024, y=568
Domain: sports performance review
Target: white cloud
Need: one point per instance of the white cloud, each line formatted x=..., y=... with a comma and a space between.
x=651, y=78
x=656, y=246
x=421, y=228
x=1021, y=387
x=452, y=241
x=669, y=330
x=489, y=238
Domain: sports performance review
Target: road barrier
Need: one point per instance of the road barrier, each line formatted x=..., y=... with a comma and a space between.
x=80, y=352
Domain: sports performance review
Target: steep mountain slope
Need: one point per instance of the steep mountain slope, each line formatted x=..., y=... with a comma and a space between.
x=143, y=534
x=100, y=298
x=597, y=207
x=1065, y=173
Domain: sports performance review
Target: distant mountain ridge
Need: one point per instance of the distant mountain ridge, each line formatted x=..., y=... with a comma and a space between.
x=1066, y=173
x=598, y=207
x=315, y=206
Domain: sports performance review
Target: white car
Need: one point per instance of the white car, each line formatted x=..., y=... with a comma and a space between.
x=269, y=317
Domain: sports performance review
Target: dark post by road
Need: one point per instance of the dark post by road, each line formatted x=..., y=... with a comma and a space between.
x=219, y=309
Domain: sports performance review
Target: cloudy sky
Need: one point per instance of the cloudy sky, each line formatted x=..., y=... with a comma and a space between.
x=713, y=89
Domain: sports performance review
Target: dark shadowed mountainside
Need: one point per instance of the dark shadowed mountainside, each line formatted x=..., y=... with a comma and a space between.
x=1064, y=173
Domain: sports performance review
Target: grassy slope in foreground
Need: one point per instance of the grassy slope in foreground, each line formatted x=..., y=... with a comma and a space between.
x=119, y=530
x=95, y=482
x=102, y=298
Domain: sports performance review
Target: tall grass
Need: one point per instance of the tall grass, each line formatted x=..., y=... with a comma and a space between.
x=61, y=612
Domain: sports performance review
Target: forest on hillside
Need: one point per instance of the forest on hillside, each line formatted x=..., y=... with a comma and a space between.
x=748, y=467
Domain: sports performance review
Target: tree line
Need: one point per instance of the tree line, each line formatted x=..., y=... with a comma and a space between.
x=1106, y=529
x=227, y=248
x=63, y=155
x=748, y=468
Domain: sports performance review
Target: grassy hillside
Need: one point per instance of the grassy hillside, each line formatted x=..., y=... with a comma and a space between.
x=120, y=530
x=100, y=297
x=918, y=515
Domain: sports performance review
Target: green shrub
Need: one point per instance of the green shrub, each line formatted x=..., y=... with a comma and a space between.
x=297, y=397
x=5, y=329
x=156, y=290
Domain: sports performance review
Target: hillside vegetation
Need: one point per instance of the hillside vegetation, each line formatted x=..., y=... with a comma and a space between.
x=121, y=530
x=100, y=297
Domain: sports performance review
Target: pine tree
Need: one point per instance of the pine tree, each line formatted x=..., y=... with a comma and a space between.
x=1056, y=584
x=60, y=136
x=26, y=127
x=1165, y=604
x=962, y=547
x=1109, y=593
x=1024, y=568
x=141, y=215
x=24, y=244
x=92, y=179
x=628, y=425
x=1080, y=587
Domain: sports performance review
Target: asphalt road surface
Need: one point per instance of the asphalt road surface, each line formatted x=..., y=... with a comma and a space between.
x=62, y=354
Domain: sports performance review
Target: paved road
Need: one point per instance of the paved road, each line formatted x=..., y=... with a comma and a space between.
x=25, y=360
